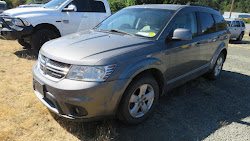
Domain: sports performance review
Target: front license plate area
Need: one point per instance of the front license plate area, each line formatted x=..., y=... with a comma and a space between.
x=39, y=87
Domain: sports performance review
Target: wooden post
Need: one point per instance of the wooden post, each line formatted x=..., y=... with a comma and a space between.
x=231, y=9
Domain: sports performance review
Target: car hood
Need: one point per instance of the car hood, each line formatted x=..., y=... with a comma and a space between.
x=89, y=47
x=20, y=12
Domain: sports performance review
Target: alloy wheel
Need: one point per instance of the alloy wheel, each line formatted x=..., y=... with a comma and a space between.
x=218, y=66
x=141, y=101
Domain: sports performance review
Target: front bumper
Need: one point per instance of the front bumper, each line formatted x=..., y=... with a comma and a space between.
x=78, y=100
x=14, y=32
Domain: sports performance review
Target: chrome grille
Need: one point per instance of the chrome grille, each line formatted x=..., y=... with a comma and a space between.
x=52, y=69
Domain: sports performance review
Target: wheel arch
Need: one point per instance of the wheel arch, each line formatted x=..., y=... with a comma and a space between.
x=48, y=26
x=155, y=72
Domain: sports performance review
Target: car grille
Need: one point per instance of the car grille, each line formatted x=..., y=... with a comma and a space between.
x=52, y=69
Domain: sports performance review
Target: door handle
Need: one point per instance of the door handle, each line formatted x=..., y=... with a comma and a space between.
x=66, y=21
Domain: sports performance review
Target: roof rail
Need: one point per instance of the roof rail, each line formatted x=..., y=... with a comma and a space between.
x=196, y=4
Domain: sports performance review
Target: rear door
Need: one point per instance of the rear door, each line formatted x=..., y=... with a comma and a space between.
x=208, y=36
x=242, y=26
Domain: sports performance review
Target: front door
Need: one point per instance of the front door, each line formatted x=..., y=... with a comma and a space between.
x=184, y=55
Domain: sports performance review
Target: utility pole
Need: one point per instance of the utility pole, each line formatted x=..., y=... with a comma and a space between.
x=231, y=9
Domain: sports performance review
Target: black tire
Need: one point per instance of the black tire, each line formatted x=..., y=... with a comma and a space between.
x=123, y=111
x=40, y=37
x=24, y=44
x=212, y=75
x=240, y=37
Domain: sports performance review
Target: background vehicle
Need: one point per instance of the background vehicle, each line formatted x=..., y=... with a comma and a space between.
x=35, y=26
x=237, y=28
x=2, y=6
x=33, y=4
x=124, y=64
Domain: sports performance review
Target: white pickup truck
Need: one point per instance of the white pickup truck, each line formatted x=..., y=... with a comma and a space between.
x=35, y=26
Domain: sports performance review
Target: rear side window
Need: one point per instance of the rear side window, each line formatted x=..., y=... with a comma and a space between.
x=242, y=23
x=220, y=23
x=237, y=24
x=97, y=6
x=207, y=23
x=89, y=6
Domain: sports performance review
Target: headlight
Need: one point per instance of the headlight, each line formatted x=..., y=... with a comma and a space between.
x=17, y=22
x=91, y=73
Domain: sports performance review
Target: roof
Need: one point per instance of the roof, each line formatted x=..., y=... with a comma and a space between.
x=159, y=6
x=233, y=20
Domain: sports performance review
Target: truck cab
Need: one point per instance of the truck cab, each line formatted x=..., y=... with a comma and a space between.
x=35, y=26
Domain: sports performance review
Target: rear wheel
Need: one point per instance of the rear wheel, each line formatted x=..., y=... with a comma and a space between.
x=217, y=67
x=240, y=37
x=139, y=100
x=40, y=37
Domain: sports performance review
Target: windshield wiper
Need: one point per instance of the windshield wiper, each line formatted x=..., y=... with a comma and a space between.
x=119, y=31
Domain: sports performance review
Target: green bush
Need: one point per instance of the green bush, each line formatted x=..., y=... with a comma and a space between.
x=116, y=6
x=246, y=20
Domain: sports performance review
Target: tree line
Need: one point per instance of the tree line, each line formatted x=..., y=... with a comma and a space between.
x=242, y=6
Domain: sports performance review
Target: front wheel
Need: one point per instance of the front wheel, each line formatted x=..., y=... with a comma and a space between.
x=139, y=100
x=40, y=37
x=23, y=43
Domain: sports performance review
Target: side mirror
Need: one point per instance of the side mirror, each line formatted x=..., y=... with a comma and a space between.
x=182, y=34
x=71, y=8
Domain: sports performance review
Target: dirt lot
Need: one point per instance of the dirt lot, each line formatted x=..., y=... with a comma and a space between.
x=200, y=110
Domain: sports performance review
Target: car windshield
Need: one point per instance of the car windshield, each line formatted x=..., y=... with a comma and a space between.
x=137, y=21
x=54, y=4
x=2, y=6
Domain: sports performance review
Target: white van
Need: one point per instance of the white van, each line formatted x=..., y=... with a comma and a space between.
x=2, y=6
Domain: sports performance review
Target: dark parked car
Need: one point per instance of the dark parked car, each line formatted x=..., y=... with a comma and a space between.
x=123, y=66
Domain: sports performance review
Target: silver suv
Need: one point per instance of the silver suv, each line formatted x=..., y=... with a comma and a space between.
x=236, y=28
x=123, y=66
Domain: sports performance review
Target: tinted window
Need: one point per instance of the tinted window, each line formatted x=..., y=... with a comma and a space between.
x=97, y=6
x=187, y=21
x=242, y=24
x=234, y=24
x=220, y=23
x=2, y=6
x=89, y=6
x=207, y=23
x=237, y=24
x=228, y=23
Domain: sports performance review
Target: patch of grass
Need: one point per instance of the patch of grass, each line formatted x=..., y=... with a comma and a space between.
x=223, y=123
